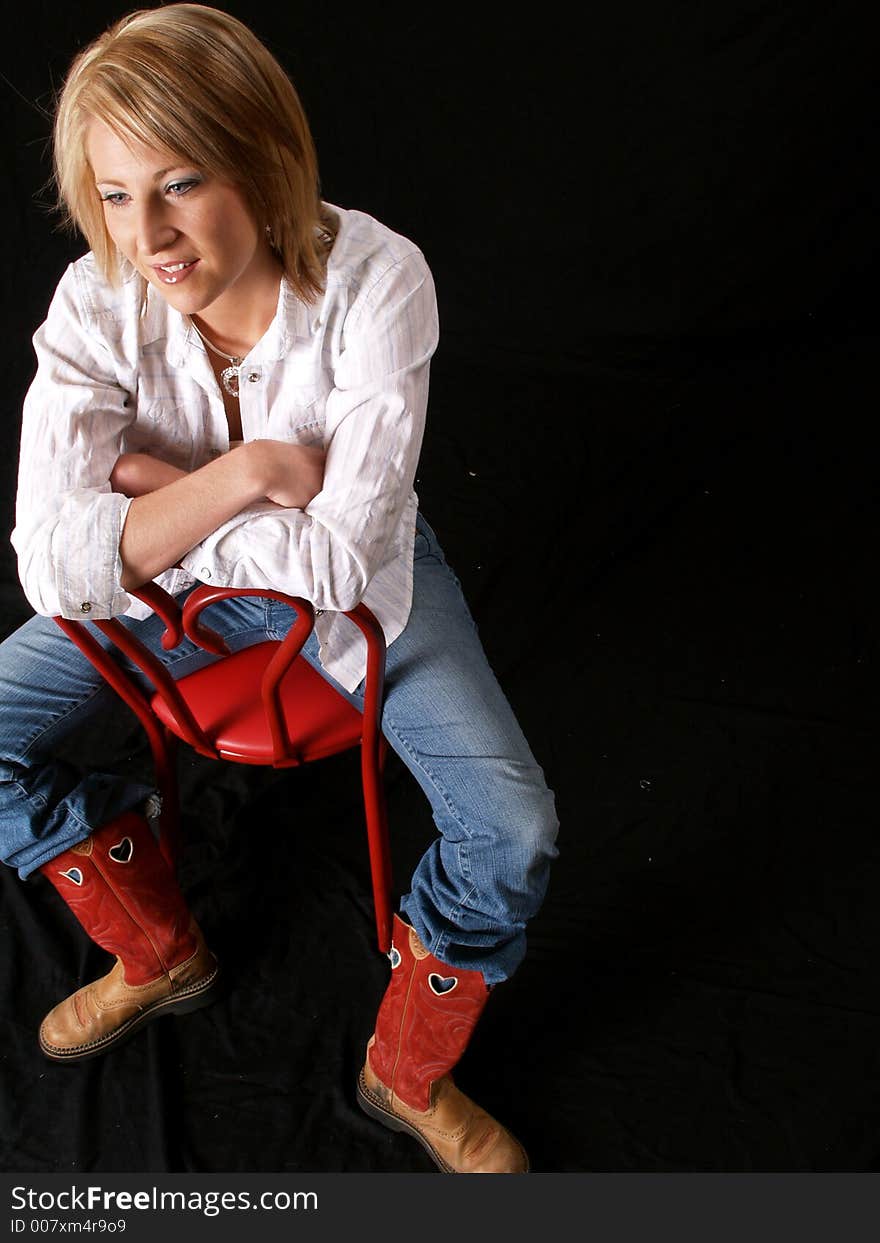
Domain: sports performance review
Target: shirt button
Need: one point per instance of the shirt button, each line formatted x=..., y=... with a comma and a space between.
x=85, y=607
x=254, y=377
x=204, y=572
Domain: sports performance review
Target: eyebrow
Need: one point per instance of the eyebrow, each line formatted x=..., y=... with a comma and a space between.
x=111, y=181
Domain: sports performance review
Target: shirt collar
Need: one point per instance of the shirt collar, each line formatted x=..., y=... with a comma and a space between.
x=293, y=320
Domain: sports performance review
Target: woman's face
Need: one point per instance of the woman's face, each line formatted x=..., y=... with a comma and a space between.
x=193, y=237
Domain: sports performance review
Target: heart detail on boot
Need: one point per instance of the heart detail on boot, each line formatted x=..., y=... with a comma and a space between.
x=439, y=984
x=122, y=851
x=75, y=875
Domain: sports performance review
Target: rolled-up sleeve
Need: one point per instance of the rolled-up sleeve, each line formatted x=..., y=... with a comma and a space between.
x=68, y=521
x=375, y=418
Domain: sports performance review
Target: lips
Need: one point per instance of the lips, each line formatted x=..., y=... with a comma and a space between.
x=174, y=273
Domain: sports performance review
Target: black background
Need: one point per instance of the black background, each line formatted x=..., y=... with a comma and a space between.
x=650, y=459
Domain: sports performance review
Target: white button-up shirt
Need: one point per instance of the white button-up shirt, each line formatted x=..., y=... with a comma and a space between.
x=118, y=372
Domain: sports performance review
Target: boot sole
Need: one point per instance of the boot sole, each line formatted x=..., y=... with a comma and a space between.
x=373, y=1106
x=197, y=996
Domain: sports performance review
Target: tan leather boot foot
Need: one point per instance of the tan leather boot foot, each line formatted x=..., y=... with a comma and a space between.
x=106, y=1012
x=459, y=1136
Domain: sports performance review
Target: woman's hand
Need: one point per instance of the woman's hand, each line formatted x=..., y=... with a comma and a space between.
x=292, y=475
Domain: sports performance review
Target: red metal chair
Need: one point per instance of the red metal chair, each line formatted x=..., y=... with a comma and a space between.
x=263, y=705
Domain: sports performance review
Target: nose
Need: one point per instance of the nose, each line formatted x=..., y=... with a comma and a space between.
x=154, y=229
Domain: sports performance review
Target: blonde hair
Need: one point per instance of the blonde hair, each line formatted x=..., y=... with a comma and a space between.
x=196, y=81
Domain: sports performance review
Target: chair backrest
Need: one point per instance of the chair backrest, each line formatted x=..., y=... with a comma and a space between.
x=187, y=621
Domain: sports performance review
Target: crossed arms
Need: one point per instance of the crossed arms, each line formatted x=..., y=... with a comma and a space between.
x=173, y=510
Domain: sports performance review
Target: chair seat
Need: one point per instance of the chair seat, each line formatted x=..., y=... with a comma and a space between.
x=320, y=720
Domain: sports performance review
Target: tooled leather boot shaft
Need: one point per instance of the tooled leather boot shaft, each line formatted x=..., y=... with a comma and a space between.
x=425, y=1020
x=126, y=897
x=385, y=1047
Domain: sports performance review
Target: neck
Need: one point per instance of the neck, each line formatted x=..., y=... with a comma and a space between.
x=237, y=320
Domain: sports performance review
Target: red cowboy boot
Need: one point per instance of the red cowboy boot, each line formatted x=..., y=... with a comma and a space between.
x=126, y=897
x=424, y=1024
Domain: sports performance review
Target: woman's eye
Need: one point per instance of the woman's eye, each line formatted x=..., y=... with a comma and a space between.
x=179, y=188
x=115, y=198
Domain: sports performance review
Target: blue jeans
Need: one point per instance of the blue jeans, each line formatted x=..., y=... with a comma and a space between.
x=445, y=715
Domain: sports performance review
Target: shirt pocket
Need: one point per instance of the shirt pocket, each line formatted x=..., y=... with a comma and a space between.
x=299, y=414
x=167, y=428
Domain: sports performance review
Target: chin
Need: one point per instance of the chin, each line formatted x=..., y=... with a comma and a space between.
x=187, y=301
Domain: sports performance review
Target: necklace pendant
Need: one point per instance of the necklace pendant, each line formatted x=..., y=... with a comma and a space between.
x=229, y=376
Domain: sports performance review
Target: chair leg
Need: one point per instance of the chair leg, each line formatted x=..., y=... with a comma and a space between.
x=379, y=848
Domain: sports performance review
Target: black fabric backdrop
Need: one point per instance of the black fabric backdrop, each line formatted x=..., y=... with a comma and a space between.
x=654, y=244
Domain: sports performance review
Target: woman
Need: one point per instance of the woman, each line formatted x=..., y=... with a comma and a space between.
x=231, y=387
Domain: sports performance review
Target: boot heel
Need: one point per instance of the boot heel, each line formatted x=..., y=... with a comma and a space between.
x=204, y=993
x=376, y=1111
x=387, y=1119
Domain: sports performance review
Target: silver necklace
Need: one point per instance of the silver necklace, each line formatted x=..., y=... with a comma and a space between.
x=229, y=375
